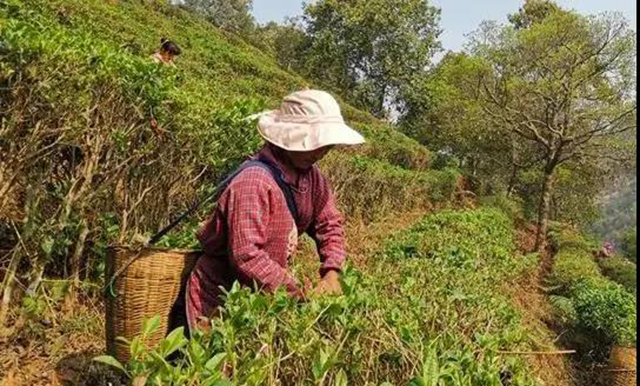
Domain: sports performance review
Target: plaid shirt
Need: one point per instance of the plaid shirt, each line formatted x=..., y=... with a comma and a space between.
x=252, y=234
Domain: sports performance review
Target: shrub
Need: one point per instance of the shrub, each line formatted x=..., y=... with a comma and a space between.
x=571, y=265
x=512, y=206
x=620, y=270
x=439, y=318
x=368, y=187
x=79, y=94
x=563, y=309
x=605, y=310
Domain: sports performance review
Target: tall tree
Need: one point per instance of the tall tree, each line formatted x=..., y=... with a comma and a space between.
x=283, y=41
x=370, y=50
x=230, y=15
x=553, y=91
x=564, y=86
x=533, y=11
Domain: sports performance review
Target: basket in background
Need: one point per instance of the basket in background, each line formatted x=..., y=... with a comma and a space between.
x=622, y=366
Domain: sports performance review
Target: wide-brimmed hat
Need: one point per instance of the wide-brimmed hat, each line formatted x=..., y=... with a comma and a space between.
x=307, y=120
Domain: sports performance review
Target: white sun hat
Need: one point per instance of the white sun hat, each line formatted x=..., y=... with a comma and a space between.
x=307, y=120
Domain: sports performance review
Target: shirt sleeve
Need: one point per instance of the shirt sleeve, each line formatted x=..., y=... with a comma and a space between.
x=248, y=208
x=327, y=230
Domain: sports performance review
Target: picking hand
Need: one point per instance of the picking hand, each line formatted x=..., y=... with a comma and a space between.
x=329, y=284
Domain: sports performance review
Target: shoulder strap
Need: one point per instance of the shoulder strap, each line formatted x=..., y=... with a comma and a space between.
x=275, y=173
x=286, y=188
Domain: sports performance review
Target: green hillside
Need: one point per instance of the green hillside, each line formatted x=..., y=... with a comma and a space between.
x=436, y=291
x=78, y=81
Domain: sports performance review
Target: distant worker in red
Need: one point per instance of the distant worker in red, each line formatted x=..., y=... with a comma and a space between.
x=266, y=206
x=167, y=52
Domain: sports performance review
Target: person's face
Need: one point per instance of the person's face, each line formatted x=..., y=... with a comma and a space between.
x=304, y=160
x=167, y=56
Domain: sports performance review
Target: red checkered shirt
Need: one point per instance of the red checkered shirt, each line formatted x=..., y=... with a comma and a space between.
x=252, y=234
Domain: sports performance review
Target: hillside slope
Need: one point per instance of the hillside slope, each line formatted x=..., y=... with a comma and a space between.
x=83, y=167
x=79, y=93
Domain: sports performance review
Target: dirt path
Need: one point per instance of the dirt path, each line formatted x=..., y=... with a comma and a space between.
x=529, y=297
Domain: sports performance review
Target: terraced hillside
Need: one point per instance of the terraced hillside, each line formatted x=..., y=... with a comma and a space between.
x=101, y=145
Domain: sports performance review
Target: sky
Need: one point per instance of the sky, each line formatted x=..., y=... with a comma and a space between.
x=459, y=17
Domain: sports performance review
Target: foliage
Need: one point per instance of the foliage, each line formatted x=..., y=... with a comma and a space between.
x=234, y=16
x=621, y=271
x=585, y=300
x=571, y=265
x=563, y=309
x=83, y=165
x=618, y=215
x=606, y=310
x=504, y=106
x=283, y=41
x=430, y=308
x=533, y=11
x=510, y=205
x=369, y=50
x=368, y=187
x=629, y=243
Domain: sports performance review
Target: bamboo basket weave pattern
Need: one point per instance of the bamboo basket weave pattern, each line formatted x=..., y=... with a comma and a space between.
x=622, y=371
x=147, y=284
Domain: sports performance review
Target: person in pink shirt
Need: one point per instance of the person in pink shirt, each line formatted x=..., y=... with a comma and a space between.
x=263, y=210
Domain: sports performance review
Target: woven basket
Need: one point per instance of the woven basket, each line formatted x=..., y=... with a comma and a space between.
x=622, y=370
x=147, y=282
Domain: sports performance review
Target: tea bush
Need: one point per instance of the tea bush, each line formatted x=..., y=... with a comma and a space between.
x=606, y=311
x=84, y=165
x=587, y=302
x=367, y=187
x=431, y=308
x=571, y=265
x=620, y=270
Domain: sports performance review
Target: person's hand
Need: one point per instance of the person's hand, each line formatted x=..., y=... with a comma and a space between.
x=329, y=284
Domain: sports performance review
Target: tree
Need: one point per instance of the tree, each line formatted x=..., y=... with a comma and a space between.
x=563, y=85
x=533, y=11
x=369, y=50
x=231, y=15
x=551, y=93
x=283, y=41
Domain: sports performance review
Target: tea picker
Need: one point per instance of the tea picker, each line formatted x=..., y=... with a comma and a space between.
x=262, y=208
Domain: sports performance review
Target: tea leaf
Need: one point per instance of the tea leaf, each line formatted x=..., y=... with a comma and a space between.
x=111, y=361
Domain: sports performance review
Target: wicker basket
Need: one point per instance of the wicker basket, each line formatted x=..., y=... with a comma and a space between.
x=146, y=283
x=622, y=370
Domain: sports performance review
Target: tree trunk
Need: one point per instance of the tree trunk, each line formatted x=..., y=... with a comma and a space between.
x=76, y=260
x=543, y=210
x=8, y=286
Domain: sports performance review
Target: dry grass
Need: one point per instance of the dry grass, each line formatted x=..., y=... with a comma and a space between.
x=54, y=348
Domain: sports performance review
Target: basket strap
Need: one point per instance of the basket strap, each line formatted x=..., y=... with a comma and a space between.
x=263, y=163
x=109, y=287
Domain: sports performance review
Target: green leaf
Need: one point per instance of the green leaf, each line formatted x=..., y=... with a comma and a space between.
x=341, y=378
x=111, y=361
x=150, y=325
x=174, y=341
x=214, y=363
x=223, y=382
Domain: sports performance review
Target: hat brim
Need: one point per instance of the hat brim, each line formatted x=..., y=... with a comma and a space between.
x=305, y=136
